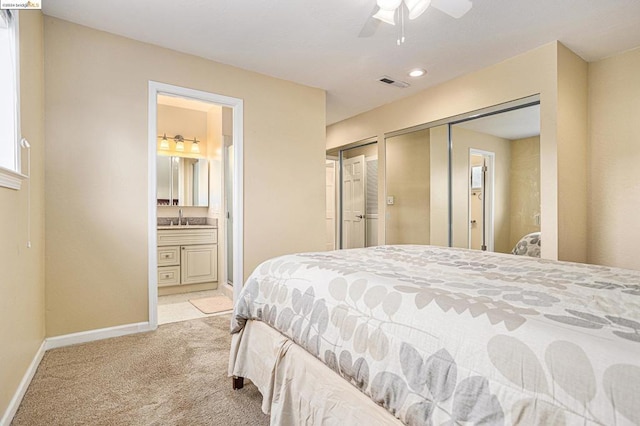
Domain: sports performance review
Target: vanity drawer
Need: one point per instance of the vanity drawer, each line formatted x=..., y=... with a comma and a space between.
x=168, y=256
x=185, y=237
x=168, y=275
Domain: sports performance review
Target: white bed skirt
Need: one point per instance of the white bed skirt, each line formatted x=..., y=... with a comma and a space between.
x=297, y=388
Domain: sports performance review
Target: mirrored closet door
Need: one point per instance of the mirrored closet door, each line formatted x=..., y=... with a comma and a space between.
x=495, y=179
x=416, y=177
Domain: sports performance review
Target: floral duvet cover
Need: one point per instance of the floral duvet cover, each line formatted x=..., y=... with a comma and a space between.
x=450, y=336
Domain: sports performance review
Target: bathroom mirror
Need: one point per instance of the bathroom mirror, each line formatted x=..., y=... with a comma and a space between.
x=182, y=181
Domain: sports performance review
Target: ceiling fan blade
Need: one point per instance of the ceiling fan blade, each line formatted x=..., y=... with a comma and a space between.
x=454, y=8
x=371, y=25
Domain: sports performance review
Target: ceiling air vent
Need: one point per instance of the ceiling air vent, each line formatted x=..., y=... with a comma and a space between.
x=390, y=81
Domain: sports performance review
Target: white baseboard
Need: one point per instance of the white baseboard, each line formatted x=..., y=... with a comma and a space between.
x=99, y=334
x=22, y=387
x=58, y=342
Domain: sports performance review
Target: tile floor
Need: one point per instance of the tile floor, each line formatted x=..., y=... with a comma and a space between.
x=176, y=307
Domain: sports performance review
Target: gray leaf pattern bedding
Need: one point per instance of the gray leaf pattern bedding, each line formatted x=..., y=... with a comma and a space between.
x=448, y=336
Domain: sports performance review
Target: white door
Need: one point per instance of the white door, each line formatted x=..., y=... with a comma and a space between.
x=353, y=202
x=228, y=192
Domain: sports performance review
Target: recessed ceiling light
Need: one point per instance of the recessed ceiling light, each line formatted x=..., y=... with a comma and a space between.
x=417, y=72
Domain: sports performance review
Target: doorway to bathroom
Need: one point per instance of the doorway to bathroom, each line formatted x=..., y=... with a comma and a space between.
x=195, y=203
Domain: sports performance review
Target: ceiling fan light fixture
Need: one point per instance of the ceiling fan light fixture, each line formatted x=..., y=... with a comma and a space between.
x=388, y=16
x=416, y=7
x=390, y=5
x=417, y=72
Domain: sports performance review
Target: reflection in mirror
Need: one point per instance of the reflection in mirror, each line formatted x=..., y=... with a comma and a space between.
x=417, y=187
x=182, y=181
x=496, y=179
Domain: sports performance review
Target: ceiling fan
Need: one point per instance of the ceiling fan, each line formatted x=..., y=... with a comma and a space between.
x=388, y=10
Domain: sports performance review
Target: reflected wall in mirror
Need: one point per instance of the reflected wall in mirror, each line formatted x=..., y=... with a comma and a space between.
x=417, y=187
x=182, y=181
x=502, y=204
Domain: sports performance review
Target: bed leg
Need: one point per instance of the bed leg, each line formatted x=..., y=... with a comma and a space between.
x=238, y=382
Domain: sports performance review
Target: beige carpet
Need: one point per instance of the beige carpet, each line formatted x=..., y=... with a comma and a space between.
x=176, y=375
x=211, y=305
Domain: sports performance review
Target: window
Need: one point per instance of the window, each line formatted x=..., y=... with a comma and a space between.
x=9, y=101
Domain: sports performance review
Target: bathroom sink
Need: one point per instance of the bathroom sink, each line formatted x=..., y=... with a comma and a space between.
x=187, y=227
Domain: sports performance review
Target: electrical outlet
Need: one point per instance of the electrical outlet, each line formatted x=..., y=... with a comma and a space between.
x=390, y=200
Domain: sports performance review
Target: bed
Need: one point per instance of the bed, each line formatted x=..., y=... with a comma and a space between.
x=423, y=335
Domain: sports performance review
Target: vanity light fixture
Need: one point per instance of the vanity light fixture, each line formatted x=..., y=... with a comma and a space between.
x=417, y=72
x=164, y=143
x=179, y=142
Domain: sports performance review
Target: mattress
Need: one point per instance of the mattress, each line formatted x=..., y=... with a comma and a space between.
x=437, y=335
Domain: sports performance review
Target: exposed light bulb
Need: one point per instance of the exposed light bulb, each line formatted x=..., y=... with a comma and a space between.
x=164, y=143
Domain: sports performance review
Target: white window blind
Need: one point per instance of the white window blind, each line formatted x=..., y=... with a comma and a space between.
x=10, y=134
x=372, y=187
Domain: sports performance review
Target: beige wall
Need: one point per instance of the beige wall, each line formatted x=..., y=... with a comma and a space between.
x=408, y=181
x=439, y=204
x=525, y=187
x=614, y=159
x=22, y=323
x=571, y=158
x=545, y=71
x=96, y=103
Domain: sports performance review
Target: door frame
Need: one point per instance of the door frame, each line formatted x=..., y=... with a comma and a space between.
x=237, y=105
x=489, y=190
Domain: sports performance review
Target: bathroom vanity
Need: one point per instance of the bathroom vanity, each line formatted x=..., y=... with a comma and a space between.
x=187, y=254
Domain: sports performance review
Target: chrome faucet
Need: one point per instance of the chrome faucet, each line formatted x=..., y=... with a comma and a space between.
x=179, y=217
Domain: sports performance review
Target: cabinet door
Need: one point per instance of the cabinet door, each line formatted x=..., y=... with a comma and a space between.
x=199, y=264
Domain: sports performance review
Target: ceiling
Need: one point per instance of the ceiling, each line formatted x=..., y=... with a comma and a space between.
x=186, y=103
x=317, y=43
x=515, y=124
